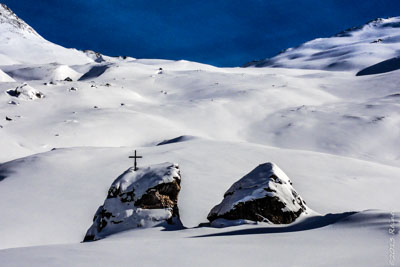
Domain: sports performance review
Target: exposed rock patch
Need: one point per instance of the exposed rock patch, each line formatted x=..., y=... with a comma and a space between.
x=264, y=195
x=97, y=57
x=142, y=198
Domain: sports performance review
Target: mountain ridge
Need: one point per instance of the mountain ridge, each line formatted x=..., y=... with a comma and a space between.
x=348, y=50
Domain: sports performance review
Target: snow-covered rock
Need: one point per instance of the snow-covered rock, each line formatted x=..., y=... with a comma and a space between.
x=63, y=72
x=142, y=198
x=97, y=57
x=265, y=194
x=25, y=91
x=352, y=49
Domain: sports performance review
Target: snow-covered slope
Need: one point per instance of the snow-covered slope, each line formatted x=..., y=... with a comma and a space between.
x=59, y=191
x=334, y=133
x=5, y=78
x=19, y=43
x=353, y=49
x=330, y=112
x=46, y=72
x=312, y=243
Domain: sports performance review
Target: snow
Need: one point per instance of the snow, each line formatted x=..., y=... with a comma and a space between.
x=48, y=72
x=17, y=36
x=335, y=134
x=351, y=50
x=68, y=185
x=342, y=243
x=5, y=78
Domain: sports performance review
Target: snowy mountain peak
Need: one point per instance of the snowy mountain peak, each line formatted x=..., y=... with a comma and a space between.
x=9, y=18
x=21, y=44
x=379, y=23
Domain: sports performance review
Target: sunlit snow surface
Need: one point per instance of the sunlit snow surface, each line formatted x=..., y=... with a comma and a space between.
x=336, y=135
x=352, y=49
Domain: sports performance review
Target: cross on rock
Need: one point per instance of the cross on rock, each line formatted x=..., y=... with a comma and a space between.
x=135, y=168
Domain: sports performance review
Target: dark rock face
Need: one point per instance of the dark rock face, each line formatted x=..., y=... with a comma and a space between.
x=142, y=198
x=259, y=210
x=264, y=195
x=13, y=93
x=161, y=196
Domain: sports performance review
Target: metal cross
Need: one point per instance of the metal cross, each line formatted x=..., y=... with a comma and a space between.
x=135, y=168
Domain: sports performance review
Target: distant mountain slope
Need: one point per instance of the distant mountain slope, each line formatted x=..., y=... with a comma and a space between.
x=20, y=43
x=352, y=49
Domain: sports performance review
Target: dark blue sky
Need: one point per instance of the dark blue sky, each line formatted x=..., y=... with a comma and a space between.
x=218, y=32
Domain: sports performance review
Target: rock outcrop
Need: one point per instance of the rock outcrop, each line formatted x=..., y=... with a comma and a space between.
x=143, y=198
x=264, y=195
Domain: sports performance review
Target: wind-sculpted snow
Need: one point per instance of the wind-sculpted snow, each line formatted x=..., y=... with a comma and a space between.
x=47, y=72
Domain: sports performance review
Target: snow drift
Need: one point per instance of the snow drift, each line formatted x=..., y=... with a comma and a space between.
x=49, y=72
x=265, y=195
x=138, y=198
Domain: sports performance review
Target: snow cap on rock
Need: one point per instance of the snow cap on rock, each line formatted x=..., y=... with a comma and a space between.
x=142, y=198
x=25, y=91
x=264, y=194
